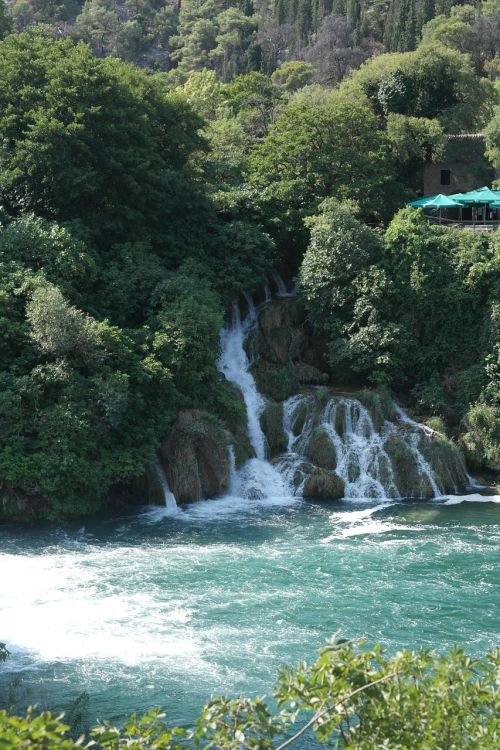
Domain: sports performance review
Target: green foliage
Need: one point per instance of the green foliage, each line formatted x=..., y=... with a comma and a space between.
x=432, y=82
x=91, y=140
x=345, y=291
x=416, y=310
x=350, y=697
x=5, y=20
x=415, y=141
x=293, y=75
x=188, y=317
x=492, y=133
x=64, y=258
x=481, y=438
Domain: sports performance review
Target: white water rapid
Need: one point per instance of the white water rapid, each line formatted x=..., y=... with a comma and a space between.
x=360, y=450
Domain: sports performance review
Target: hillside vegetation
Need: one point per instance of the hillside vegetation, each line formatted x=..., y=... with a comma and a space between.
x=139, y=197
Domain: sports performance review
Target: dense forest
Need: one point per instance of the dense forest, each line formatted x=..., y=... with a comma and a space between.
x=158, y=160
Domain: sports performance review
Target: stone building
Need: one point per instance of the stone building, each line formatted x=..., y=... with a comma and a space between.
x=464, y=167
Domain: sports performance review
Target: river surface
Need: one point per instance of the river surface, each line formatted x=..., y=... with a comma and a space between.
x=166, y=609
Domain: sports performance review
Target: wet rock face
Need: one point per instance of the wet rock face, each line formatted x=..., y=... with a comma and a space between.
x=282, y=336
x=284, y=352
x=323, y=485
x=195, y=457
x=17, y=506
x=320, y=450
x=272, y=425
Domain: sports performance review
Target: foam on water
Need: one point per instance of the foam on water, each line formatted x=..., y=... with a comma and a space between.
x=141, y=614
x=471, y=498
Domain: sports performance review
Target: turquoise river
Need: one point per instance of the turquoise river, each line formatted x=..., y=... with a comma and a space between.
x=164, y=608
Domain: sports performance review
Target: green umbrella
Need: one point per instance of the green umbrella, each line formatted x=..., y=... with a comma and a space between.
x=420, y=202
x=480, y=197
x=437, y=202
x=440, y=201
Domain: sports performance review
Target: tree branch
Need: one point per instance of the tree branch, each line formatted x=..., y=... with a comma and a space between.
x=324, y=709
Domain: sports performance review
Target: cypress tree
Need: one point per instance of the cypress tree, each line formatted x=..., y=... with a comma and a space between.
x=281, y=11
x=354, y=20
x=303, y=21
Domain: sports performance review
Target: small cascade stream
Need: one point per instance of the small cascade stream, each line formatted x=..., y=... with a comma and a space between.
x=168, y=495
x=360, y=449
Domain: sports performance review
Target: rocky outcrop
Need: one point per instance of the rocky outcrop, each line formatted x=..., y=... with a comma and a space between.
x=284, y=350
x=17, y=506
x=271, y=422
x=320, y=450
x=195, y=456
x=323, y=485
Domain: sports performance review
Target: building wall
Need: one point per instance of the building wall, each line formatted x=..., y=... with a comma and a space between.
x=467, y=165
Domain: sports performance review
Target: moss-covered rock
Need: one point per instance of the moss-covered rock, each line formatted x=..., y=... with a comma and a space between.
x=323, y=485
x=17, y=506
x=195, y=456
x=446, y=460
x=309, y=375
x=277, y=383
x=407, y=477
x=299, y=418
x=271, y=422
x=320, y=450
x=378, y=403
x=282, y=336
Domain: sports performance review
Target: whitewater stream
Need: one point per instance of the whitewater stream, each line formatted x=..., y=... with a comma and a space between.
x=169, y=606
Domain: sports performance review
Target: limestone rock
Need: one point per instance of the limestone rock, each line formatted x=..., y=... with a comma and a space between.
x=324, y=485
x=282, y=336
x=271, y=422
x=195, y=456
x=320, y=450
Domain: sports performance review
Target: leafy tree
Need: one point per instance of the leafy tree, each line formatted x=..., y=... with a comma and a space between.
x=415, y=141
x=435, y=82
x=234, y=37
x=293, y=75
x=98, y=24
x=492, y=133
x=45, y=246
x=345, y=289
x=187, y=318
x=91, y=140
x=314, y=151
x=350, y=698
x=254, y=100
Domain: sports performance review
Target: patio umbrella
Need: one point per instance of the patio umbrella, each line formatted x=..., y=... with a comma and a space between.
x=440, y=201
x=480, y=197
x=420, y=202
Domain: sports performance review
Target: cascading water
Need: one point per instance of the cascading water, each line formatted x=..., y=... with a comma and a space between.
x=282, y=291
x=235, y=365
x=168, y=495
x=361, y=455
x=257, y=478
x=362, y=460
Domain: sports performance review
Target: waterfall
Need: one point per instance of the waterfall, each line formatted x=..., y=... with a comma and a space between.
x=168, y=495
x=257, y=478
x=376, y=462
x=282, y=291
x=235, y=365
x=362, y=459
